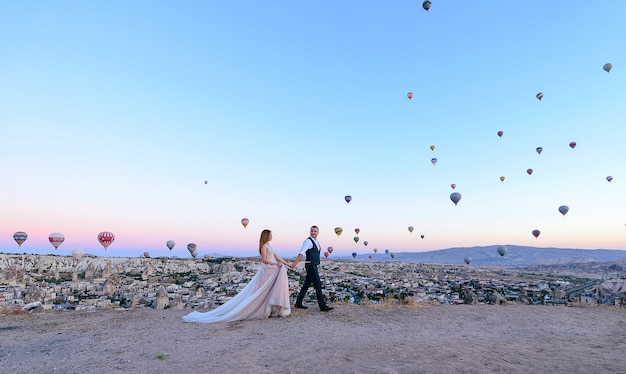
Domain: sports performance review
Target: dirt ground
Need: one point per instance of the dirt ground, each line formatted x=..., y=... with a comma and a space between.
x=349, y=339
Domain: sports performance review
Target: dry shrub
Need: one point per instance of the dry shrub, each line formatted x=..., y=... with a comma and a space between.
x=12, y=310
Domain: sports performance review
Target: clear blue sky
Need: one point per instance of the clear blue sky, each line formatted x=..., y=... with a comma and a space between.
x=113, y=114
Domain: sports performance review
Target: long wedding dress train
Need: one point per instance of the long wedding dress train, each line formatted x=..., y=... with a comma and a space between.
x=266, y=294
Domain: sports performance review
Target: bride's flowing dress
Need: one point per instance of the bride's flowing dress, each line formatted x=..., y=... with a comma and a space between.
x=266, y=294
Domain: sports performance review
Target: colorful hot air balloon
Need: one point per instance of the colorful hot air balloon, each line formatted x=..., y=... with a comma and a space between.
x=455, y=197
x=609, y=178
x=529, y=171
x=106, y=238
x=502, y=178
x=572, y=145
x=77, y=253
x=146, y=254
x=330, y=249
x=338, y=230
x=357, y=230
x=539, y=150
x=501, y=250
x=607, y=67
x=539, y=96
x=20, y=237
x=348, y=198
x=536, y=233
x=353, y=254
x=375, y=250
x=432, y=147
x=191, y=247
x=453, y=186
x=426, y=5
x=563, y=209
x=386, y=251
x=467, y=260
x=170, y=244
x=433, y=161
x=356, y=239
x=326, y=254
x=365, y=243
x=244, y=222
x=56, y=239
x=411, y=228
x=409, y=95
x=500, y=133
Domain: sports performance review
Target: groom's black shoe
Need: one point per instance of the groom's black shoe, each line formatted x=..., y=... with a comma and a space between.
x=326, y=308
x=300, y=306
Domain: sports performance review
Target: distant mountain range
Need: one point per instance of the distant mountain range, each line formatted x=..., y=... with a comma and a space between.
x=488, y=256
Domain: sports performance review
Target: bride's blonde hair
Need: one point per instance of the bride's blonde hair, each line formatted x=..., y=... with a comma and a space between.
x=265, y=237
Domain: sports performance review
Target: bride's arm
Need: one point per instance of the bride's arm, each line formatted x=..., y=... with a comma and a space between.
x=281, y=260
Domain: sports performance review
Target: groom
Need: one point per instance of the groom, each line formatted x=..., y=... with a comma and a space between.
x=311, y=248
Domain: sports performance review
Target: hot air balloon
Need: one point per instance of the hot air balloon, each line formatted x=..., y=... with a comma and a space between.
x=536, y=233
x=356, y=239
x=434, y=161
x=500, y=133
x=106, y=238
x=194, y=254
x=502, y=178
x=422, y=236
x=501, y=250
x=432, y=147
x=426, y=5
x=572, y=145
x=609, y=178
x=386, y=251
x=411, y=228
x=191, y=247
x=393, y=255
x=357, y=230
x=607, y=67
x=370, y=257
x=326, y=254
x=330, y=249
x=453, y=186
x=409, y=95
x=468, y=260
x=56, y=239
x=338, y=230
x=365, y=243
x=539, y=96
x=20, y=237
x=348, y=198
x=353, y=254
x=529, y=171
x=170, y=244
x=244, y=222
x=77, y=253
x=146, y=254
x=206, y=182
x=375, y=250
x=455, y=197
x=539, y=150
x=563, y=209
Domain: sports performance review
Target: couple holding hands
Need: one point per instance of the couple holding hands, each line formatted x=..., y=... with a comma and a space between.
x=267, y=293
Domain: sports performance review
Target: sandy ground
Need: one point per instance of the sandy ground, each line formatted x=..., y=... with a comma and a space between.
x=349, y=339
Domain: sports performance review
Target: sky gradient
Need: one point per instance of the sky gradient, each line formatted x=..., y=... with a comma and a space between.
x=113, y=115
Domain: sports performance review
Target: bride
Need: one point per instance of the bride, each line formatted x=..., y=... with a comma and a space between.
x=266, y=294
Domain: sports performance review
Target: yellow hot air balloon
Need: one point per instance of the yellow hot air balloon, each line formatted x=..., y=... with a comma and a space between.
x=338, y=230
x=502, y=178
x=432, y=147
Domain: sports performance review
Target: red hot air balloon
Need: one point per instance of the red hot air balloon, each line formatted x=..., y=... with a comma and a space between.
x=56, y=238
x=500, y=133
x=572, y=145
x=357, y=230
x=536, y=233
x=146, y=254
x=540, y=96
x=326, y=254
x=106, y=238
x=20, y=237
x=409, y=95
